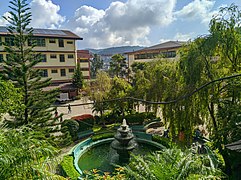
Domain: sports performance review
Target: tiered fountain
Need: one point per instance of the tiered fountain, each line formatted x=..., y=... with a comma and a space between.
x=124, y=142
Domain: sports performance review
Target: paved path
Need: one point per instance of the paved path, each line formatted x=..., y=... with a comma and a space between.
x=75, y=110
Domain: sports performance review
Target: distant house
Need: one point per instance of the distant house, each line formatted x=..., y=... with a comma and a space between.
x=166, y=50
x=83, y=57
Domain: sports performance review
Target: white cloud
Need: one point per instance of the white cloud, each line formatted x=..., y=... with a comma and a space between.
x=121, y=23
x=4, y=22
x=45, y=14
x=183, y=37
x=197, y=10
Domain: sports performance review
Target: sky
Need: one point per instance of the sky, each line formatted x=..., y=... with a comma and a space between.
x=108, y=23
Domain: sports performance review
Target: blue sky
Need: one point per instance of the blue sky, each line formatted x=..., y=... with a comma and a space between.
x=108, y=23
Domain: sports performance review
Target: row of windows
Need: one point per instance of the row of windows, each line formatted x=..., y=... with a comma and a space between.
x=44, y=72
x=44, y=57
x=167, y=54
x=61, y=57
x=37, y=41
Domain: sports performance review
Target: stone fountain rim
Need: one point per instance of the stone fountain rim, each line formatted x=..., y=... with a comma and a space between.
x=87, y=144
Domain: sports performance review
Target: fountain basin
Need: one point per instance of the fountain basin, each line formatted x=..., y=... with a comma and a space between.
x=82, y=149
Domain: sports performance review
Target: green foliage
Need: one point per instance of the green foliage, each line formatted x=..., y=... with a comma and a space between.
x=68, y=168
x=86, y=124
x=97, y=137
x=162, y=140
x=172, y=164
x=97, y=175
x=72, y=126
x=118, y=66
x=95, y=65
x=25, y=154
x=120, y=89
x=78, y=79
x=9, y=99
x=19, y=69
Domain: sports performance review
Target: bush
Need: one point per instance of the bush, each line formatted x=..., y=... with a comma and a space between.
x=72, y=127
x=85, y=121
x=162, y=140
x=68, y=169
x=102, y=136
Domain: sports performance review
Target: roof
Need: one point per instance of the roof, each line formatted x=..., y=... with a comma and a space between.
x=163, y=46
x=53, y=33
x=62, y=86
x=235, y=146
x=84, y=54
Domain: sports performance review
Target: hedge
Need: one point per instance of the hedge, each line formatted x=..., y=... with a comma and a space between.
x=102, y=136
x=68, y=169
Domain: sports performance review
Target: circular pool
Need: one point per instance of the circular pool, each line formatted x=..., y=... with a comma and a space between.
x=99, y=155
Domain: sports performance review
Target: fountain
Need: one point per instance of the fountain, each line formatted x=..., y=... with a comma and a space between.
x=124, y=142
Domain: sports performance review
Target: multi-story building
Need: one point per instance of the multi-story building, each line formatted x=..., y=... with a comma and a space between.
x=165, y=50
x=58, y=49
x=83, y=57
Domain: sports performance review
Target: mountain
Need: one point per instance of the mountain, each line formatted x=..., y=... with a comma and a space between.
x=115, y=50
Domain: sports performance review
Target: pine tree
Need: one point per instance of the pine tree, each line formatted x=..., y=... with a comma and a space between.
x=78, y=79
x=19, y=68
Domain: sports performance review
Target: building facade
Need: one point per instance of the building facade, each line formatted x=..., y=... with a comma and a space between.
x=165, y=50
x=57, y=48
x=83, y=57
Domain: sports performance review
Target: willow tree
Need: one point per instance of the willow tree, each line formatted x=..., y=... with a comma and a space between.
x=19, y=68
x=98, y=92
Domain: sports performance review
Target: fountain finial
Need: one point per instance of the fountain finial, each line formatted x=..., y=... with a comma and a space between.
x=124, y=122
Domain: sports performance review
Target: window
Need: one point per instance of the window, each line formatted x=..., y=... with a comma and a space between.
x=70, y=56
x=52, y=41
x=44, y=73
x=71, y=70
x=43, y=58
x=1, y=58
x=70, y=42
x=37, y=42
x=9, y=41
x=84, y=69
x=54, y=71
x=84, y=60
x=53, y=56
x=61, y=58
x=62, y=72
x=61, y=43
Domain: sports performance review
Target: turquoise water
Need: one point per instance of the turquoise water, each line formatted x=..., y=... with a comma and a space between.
x=103, y=157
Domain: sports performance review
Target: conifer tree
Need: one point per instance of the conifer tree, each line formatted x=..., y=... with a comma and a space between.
x=19, y=68
x=78, y=79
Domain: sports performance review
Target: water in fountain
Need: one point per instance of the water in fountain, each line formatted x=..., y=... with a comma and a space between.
x=124, y=142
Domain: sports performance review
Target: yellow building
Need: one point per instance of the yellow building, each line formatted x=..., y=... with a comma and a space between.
x=166, y=50
x=83, y=57
x=58, y=48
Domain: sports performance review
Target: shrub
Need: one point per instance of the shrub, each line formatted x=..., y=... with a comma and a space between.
x=102, y=136
x=68, y=169
x=162, y=140
x=85, y=121
x=72, y=126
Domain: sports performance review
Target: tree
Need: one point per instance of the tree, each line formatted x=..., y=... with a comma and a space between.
x=120, y=89
x=19, y=69
x=118, y=66
x=78, y=79
x=24, y=156
x=9, y=99
x=95, y=65
x=99, y=91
